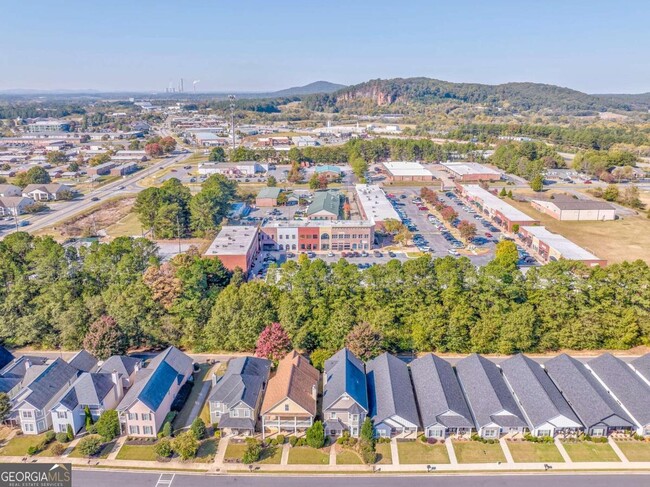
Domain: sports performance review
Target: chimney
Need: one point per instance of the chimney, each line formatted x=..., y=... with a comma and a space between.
x=28, y=363
x=314, y=391
x=137, y=367
x=117, y=380
x=214, y=379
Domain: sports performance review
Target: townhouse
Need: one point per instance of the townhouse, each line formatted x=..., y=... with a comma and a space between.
x=345, y=394
x=641, y=366
x=127, y=368
x=237, y=398
x=392, y=402
x=440, y=399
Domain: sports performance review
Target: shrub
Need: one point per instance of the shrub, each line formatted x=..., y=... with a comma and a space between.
x=89, y=445
x=70, y=433
x=367, y=451
x=198, y=428
x=49, y=437
x=32, y=450
x=432, y=441
x=186, y=445
x=57, y=449
x=108, y=425
x=62, y=437
x=301, y=441
x=422, y=438
x=280, y=439
x=253, y=451
x=217, y=434
x=293, y=440
x=316, y=435
x=382, y=440
x=538, y=439
x=167, y=429
x=91, y=429
x=163, y=448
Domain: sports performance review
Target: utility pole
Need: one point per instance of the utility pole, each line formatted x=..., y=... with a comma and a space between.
x=16, y=217
x=232, y=118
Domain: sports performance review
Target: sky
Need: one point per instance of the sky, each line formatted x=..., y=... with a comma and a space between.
x=595, y=46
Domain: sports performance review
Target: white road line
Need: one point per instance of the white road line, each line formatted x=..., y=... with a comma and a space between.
x=165, y=479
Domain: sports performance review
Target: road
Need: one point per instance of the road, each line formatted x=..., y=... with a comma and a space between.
x=64, y=210
x=83, y=478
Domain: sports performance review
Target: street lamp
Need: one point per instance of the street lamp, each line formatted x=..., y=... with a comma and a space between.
x=232, y=118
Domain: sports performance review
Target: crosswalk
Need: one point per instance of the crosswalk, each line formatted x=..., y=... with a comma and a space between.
x=165, y=480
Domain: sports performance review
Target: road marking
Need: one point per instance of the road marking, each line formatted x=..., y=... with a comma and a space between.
x=165, y=479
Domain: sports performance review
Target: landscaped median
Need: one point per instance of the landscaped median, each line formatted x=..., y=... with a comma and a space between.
x=414, y=452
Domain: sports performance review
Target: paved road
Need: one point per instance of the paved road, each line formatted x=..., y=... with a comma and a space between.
x=64, y=210
x=134, y=479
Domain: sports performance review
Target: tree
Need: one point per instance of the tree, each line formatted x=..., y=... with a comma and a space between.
x=35, y=175
x=186, y=445
x=167, y=429
x=134, y=144
x=295, y=173
x=154, y=150
x=364, y=341
x=104, y=338
x=611, y=193
x=315, y=435
x=467, y=230
x=164, y=284
x=271, y=182
x=253, y=451
x=198, y=429
x=506, y=254
x=448, y=214
x=89, y=445
x=168, y=144
x=367, y=442
x=56, y=157
x=537, y=183
x=163, y=448
x=503, y=193
x=359, y=167
x=99, y=159
x=108, y=425
x=318, y=358
x=5, y=406
x=273, y=343
x=217, y=154
x=69, y=432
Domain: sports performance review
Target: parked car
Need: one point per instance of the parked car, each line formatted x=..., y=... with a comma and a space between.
x=488, y=234
x=391, y=254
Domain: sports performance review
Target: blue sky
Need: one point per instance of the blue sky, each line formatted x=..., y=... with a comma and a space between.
x=249, y=45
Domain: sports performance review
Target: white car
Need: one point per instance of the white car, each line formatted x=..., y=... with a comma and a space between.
x=453, y=252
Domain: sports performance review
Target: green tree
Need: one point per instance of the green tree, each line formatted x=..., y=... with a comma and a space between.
x=198, y=429
x=217, y=154
x=163, y=448
x=108, y=425
x=537, y=183
x=253, y=451
x=89, y=445
x=315, y=435
x=611, y=193
x=5, y=406
x=271, y=182
x=186, y=445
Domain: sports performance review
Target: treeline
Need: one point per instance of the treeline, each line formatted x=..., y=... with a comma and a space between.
x=51, y=294
x=526, y=159
x=582, y=137
x=35, y=110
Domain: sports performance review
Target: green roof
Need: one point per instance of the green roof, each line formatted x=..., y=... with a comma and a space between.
x=269, y=193
x=326, y=201
x=328, y=168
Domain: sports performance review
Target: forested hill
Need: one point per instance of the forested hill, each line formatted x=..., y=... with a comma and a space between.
x=310, y=89
x=514, y=96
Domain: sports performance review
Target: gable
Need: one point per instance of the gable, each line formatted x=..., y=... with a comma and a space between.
x=294, y=408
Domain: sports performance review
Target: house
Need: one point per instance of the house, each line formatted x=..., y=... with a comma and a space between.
x=13, y=375
x=392, y=403
x=345, y=394
x=34, y=401
x=45, y=192
x=268, y=197
x=326, y=206
x=290, y=400
x=237, y=398
x=5, y=357
x=641, y=366
x=628, y=389
x=127, y=367
x=96, y=391
x=596, y=409
x=491, y=403
x=9, y=190
x=144, y=407
x=14, y=205
x=545, y=409
x=331, y=173
x=83, y=361
x=440, y=400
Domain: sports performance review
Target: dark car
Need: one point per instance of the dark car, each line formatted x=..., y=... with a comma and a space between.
x=391, y=254
x=94, y=198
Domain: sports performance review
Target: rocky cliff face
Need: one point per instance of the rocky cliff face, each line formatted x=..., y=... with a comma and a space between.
x=368, y=91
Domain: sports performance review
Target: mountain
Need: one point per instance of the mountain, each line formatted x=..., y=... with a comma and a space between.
x=515, y=97
x=310, y=89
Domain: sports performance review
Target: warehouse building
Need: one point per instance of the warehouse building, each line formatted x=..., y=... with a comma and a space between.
x=471, y=172
x=575, y=210
x=552, y=246
x=268, y=197
x=400, y=171
x=373, y=204
x=500, y=212
x=235, y=246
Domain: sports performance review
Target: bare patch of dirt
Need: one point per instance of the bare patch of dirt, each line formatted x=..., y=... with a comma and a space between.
x=102, y=217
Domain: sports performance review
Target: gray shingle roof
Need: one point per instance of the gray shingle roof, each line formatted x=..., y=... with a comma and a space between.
x=243, y=381
x=88, y=389
x=540, y=399
x=438, y=393
x=83, y=361
x=226, y=421
x=122, y=364
x=586, y=396
x=625, y=384
x=50, y=382
x=487, y=393
x=345, y=375
x=18, y=367
x=389, y=390
x=642, y=366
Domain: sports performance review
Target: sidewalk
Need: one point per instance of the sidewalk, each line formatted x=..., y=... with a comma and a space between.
x=563, y=452
x=116, y=449
x=394, y=451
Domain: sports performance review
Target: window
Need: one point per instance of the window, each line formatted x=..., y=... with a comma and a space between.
x=333, y=415
x=63, y=428
x=286, y=407
x=147, y=430
x=28, y=426
x=133, y=416
x=26, y=414
x=234, y=413
x=354, y=417
x=61, y=414
x=247, y=413
x=146, y=417
x=134, y=430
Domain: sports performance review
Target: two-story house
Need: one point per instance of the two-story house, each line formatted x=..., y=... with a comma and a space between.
x=144, y=407
x=99, y=392
x=127, y=367
x=46, y=192
x=237, y=397
x=290, y=401
x=345, y=394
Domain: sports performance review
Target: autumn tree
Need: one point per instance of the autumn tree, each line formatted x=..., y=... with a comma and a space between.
x=104, y=338
x=273, y=343
x=448, y=214
x=467, y=230
x=364, y=341
x=167, y=144
x=154, y=149
x=164, y=284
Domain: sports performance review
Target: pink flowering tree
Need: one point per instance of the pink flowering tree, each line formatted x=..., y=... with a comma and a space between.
x=273, y=343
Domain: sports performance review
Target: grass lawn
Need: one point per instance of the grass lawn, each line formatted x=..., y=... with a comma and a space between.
x=106, y=450
x=635, y=451
x=182, y=417
x=306, y=455
x=235, y=451
x=348, y=457
x=207, y=451
x=144, y=453
x=477, y=452
x=527, y=451
x=586, y=451
x=18, y=445
x=416, y=452
x=271, y=455
x=384, y=454
x=125, y=227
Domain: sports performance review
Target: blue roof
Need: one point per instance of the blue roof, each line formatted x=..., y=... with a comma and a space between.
x=345, y=374
x=158, y=385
